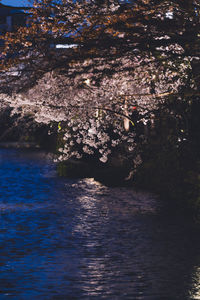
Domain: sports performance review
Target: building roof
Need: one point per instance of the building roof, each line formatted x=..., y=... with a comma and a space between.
x=6, y=10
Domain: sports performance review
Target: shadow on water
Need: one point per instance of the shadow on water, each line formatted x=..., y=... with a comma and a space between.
x=77, y=239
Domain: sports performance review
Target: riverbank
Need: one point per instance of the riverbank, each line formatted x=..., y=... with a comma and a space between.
x=20, y=145
x=110, y=175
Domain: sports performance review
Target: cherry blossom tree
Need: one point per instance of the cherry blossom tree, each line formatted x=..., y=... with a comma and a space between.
x=121, y=61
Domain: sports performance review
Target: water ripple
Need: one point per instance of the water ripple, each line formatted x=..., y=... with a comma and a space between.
x=77, y=239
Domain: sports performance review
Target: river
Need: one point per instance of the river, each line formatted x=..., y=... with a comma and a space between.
x=77, y=239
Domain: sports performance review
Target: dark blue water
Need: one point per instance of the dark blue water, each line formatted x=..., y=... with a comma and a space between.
x=77, y=239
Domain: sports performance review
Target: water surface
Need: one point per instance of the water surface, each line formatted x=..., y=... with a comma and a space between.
x=77, y=239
